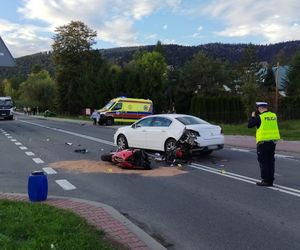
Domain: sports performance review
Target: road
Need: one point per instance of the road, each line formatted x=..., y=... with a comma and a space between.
x=211, y=204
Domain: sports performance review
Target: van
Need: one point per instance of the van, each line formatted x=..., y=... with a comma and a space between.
x=125, y=110
x=6, y=108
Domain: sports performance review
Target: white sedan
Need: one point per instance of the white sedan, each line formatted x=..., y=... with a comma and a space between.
x=160, y=132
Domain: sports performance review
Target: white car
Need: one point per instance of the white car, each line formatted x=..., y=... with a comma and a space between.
x=160, y=132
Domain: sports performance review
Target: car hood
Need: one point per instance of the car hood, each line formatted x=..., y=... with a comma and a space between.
x=206, y=130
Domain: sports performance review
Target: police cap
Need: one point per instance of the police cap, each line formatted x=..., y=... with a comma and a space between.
x=261, y=104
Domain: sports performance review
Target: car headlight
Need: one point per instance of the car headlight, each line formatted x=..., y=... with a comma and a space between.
x=193, y=133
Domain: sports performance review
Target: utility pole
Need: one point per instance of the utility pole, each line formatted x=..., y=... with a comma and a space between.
x=276, y=88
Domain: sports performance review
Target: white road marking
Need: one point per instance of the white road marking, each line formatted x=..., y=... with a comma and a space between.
x=72, y=133
x=18, y=143
x=65, y=184
x=13, y=140
x=248, y=150
x=284, y=189
x=283, y=156
x=9, y=137
x=37, y=160
x=49, y=170
x=29, y=153
x=240, y=150
x=23, y=148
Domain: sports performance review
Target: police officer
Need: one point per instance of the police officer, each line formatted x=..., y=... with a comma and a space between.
x=267, y=134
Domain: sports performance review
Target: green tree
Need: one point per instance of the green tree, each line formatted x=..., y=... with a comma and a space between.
x=293, y=76
x=71, y=51
x=251, y=93
x=38, y=91
x=8, y=89
x=204, y=76
x=159, y=47
x=249, y=57
x=151, y=70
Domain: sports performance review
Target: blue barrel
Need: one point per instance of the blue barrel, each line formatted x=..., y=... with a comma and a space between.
x=37, y=186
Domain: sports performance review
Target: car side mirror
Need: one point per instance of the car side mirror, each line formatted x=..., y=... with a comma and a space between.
x=135, y=125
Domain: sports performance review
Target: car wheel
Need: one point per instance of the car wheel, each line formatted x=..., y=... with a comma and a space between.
x=109, y=121
x=122, y=142
x=170, y=144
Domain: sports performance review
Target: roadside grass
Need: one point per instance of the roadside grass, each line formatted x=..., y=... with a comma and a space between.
x=289, y=130
x=26, y=225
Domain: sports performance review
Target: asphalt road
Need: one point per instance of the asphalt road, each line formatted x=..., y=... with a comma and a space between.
x=213, y=204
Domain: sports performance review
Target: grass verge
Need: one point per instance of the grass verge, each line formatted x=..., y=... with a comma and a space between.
x=289, y=130
x=40, y=226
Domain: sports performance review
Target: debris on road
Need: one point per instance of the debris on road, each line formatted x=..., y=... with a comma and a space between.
x=88, y=166
x=69, y=143
x=83, y=151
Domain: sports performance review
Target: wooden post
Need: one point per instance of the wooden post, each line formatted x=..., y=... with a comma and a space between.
x=276, y=88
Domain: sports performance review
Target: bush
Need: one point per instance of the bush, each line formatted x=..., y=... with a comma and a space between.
x=226, y=109
x=49, y=113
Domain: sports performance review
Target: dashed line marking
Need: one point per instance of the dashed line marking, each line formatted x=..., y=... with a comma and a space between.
x=49, y=170
x=9, y=137
x=18, y=143
x=38, y=160
x=13, y=140
x=29, y=153
x=65, y=184
x=23, y=148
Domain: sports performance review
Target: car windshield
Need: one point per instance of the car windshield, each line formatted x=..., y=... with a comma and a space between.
x=108, y=105
x=6, y=103
x=190, y=120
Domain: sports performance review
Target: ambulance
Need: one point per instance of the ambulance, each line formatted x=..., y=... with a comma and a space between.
x=125, y=110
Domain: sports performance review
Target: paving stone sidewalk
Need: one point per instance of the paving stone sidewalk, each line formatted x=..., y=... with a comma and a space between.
x=104, y=217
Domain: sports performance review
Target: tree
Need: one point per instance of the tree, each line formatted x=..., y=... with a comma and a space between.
x=249, y=56
x=251, y=93
x=159, y=47
x=38, y=91
x=203, y=75
x=8, y=89
x=152, y=73
x=293, y=76
x=71, y=53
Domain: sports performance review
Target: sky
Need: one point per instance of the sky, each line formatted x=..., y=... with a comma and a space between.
x=28, y=26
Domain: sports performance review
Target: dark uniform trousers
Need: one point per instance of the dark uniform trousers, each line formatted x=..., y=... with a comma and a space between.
x=266, y=159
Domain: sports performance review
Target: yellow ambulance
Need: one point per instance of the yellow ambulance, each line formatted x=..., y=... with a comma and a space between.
x=125, y=110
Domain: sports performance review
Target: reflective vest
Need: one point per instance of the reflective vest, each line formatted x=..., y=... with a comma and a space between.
x=268, y=129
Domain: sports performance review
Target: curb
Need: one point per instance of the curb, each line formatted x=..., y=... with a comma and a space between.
x=103, y=217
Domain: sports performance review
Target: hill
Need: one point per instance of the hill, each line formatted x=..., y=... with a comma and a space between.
x=176, y=55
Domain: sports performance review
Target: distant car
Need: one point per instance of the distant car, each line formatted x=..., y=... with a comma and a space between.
x=160, y=132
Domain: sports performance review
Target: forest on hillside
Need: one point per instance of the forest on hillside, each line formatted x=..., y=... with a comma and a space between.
x=175, y=55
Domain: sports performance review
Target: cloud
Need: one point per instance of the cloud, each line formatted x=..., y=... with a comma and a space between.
x=165, y=27
x=169, y=41
x=151, y=37
x=272, y=19
x=118, y=31
x=24, y=39
x=114, y=20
